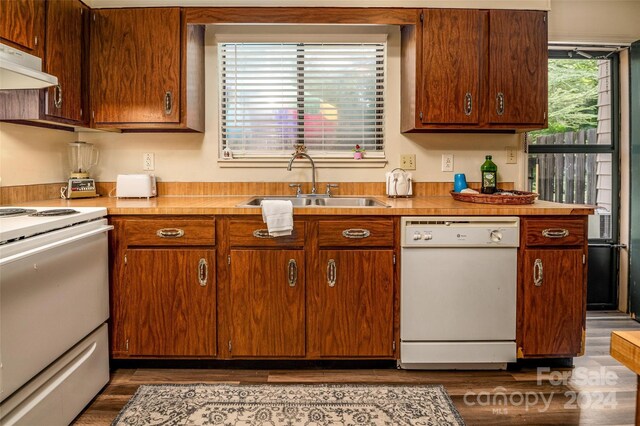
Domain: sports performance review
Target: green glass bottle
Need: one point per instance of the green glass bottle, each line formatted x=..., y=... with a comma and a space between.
x=489, y=176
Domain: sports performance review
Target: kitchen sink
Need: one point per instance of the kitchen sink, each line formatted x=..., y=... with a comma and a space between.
x=318, y=201
x=349, y=202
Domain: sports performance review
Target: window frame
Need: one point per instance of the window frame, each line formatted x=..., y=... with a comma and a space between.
x=337, y=159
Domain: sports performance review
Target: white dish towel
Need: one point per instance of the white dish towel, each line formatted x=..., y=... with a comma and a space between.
x=278, y=215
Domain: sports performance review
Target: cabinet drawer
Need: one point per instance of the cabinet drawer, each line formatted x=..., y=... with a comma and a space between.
x=168, y=232
x=355, y=233
x=554, y=232
x=253, y=233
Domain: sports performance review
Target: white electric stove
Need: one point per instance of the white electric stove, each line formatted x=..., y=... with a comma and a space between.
x=54, y=304
x=23, y=222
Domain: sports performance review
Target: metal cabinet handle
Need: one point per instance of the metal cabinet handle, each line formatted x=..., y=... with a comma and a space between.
x=170, y=233
x=57, y=96
x=538, y=273
x=331, y=273
x=292, y=272
x=203, y=272
x=555, y=233
x=168, y=102
x=500, y=103
x=261, y=233
x=356, y=233
x=468, y=103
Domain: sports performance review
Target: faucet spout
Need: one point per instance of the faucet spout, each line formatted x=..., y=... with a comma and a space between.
x=313, y=168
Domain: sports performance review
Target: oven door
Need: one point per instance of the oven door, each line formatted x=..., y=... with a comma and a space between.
x=54, y=291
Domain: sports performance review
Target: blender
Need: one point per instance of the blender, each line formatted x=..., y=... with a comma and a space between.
x=82, y=156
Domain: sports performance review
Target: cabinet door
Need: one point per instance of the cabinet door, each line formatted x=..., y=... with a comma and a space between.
x=451, y=52
x=135, y=65
x=517, y=67
x=172, y=302
x=64, y=47
x=22, y=24
x=553, y=289
x=267, y=303
x=351, y=303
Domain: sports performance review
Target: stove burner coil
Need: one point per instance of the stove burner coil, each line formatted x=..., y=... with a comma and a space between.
x=55, y=212
x=12, y=212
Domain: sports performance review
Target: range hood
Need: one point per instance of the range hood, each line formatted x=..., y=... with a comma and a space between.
x=20, y=70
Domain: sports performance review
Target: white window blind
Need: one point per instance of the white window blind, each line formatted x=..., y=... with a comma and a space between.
x=329, y=96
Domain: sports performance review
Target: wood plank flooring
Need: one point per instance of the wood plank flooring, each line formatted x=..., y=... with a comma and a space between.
x=598, y=391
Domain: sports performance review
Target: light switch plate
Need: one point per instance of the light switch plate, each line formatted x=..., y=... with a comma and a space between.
x=447, y=162
x=512, y=155
x=408, y=161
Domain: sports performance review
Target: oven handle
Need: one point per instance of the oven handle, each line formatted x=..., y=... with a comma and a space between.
x=32, y=252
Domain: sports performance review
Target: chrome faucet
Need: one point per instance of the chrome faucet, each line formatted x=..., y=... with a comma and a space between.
x=313, y=168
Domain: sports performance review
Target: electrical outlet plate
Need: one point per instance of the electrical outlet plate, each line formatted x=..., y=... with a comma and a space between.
x=447, y=162
x=408, y=161
x=512, y=155
x=148, y=161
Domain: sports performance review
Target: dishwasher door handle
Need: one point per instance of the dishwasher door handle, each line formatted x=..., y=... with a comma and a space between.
x=538, y=273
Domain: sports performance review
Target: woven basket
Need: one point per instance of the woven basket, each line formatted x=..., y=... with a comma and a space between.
x=509, y=197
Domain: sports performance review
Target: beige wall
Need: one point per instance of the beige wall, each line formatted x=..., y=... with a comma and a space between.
x=31, y=155
x=595, y=21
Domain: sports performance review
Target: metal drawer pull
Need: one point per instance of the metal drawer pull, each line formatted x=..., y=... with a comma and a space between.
x=331, y=273
x=57, y=96
x=261, y=233
x=293, y=272
x=468, y=104
x=555, y=233
x=538, y=273
x=203, y=272
x=500, y=103
x=170, y=233
x=168, y=102
x=356, y=233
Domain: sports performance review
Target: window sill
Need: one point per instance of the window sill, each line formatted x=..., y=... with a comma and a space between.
x=322, y=163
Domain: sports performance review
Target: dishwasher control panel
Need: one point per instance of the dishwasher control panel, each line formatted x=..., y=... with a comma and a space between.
x=460, y=231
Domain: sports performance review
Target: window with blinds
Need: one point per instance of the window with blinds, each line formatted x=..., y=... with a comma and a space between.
x=329, y=96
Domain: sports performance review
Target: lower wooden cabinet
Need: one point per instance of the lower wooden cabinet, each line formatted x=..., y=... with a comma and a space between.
x=267, y=303
x=552, y=313
x=163, y=287
x=172, y=302
x=552, y=287
x=198, y=287
x=351, y=304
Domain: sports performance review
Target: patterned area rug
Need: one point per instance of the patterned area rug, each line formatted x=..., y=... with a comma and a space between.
x=221, y=404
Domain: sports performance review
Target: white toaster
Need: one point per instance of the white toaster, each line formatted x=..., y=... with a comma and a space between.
x=136, y=186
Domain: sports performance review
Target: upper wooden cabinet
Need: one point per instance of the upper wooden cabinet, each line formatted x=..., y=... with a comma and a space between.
x=65, y=47
x=22, y=25
x=65, y=58
x=474, y=70
x=147, y=70
x=451, y=66
x=518, y=68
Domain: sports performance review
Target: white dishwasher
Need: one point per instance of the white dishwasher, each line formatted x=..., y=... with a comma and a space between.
x=458, y=292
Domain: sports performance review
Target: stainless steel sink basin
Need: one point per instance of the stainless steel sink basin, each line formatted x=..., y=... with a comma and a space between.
x=297, y=202
x=317, y=201
x=349, y=202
